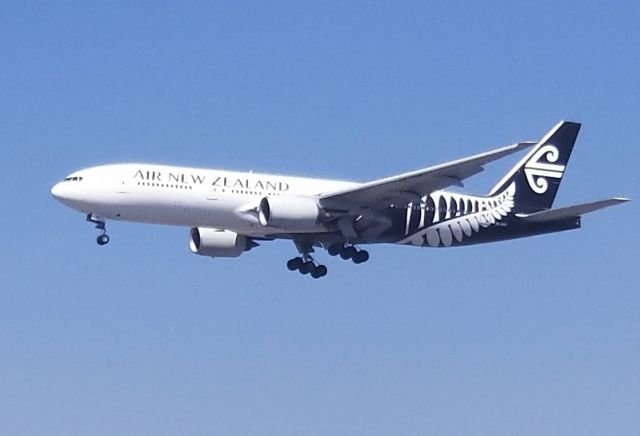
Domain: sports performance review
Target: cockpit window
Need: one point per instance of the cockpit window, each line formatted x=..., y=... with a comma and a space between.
x=73, y=179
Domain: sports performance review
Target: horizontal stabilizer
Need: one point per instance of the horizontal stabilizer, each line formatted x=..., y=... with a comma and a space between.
x=570, y=211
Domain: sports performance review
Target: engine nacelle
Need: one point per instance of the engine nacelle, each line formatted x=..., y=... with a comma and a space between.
x=289, y=212
x=217, y=243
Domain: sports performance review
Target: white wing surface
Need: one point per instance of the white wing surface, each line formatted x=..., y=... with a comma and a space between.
x=408, y=187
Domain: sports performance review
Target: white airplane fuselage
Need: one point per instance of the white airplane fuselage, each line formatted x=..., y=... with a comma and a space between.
x=229, y=212
x=183, y=196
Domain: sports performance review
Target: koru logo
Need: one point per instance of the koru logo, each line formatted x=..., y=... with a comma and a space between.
x=537, y=172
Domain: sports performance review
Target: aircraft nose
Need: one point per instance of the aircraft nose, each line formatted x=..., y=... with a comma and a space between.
x=56, y=191
x=59, y=191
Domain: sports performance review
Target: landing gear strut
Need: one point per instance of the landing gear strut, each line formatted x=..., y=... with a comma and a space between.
x=102, y=238
x=305, y=264
x=347, y=252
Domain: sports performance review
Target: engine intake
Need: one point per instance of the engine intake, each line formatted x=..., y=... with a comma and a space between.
x=217, y=243
x=289, y=212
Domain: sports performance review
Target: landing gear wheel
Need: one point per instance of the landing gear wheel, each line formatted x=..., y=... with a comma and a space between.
x=102, y=239
x=319, y=271
x=294, y=264
x=348, y=252
x=335, y=249
x=360, y=257
x=323, y=270
x=306, y=268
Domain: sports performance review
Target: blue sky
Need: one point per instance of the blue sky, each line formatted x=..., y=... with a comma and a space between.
x=537, y=336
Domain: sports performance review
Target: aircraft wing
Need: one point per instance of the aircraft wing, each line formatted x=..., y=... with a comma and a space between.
x=408, y=187
x=570, y=211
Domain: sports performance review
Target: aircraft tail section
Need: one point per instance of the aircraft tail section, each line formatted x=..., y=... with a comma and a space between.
x=538, y=175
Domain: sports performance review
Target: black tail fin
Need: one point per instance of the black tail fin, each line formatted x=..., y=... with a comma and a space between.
x=538, y=175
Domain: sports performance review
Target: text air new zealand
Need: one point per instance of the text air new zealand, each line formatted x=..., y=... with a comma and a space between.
x=229, y=213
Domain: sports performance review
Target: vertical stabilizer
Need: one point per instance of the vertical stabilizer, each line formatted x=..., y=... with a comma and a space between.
x=538, y=175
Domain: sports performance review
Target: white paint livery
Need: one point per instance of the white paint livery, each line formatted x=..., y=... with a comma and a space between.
x=230, y=212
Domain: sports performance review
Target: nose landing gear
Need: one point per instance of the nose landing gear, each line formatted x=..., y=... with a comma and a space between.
x=102, y=238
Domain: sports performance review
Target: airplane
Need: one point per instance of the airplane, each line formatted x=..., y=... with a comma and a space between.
x=230, y=213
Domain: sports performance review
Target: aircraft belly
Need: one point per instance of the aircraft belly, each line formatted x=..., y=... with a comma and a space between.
x=178, y=211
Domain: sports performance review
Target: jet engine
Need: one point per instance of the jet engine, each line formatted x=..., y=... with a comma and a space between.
x=289, y=212
x=217, y=243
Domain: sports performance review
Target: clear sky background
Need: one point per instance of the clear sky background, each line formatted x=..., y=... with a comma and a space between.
x=530, y=337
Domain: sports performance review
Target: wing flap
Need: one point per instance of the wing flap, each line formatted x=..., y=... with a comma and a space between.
x=570, y=211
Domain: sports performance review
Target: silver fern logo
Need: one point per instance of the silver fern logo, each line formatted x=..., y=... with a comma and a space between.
x=484, y=212
x=537, y=172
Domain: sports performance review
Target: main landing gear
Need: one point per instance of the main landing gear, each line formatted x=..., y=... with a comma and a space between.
x=347, y=252
x=102, y=238
x=306, y=265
